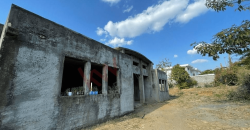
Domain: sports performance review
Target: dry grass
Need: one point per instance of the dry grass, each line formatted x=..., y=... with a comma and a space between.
x=188, y=109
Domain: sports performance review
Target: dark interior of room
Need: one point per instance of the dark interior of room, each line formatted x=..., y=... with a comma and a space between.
x=136, y=87
x=71, y=75
x=96, y=77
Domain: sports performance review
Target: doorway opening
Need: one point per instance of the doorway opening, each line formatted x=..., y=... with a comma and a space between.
x=136, y=87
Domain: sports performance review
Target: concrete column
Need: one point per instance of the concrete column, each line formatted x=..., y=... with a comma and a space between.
x=141, y=85
x=160, y=84
x=148, y=85
x=166, y=85
x=157, y=95
x=105, y=79
x=118, y=80
x=86, y=79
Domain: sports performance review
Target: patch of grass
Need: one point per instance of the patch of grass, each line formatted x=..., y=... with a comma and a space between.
x=218, y=95
x=206, y=85
x=180, y=93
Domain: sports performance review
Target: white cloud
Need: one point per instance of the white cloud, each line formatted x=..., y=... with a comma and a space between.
x=155, y=17
x=193, y=10
x=175, y=56
x=128, y=9
x=111, y=1
x=100, y=31
x=151, y=19
x=103, y=40
x=199, y=61
x=119, y=42
x=192, y=52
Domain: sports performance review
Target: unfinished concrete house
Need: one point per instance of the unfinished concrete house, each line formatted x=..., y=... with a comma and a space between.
x=55, y=78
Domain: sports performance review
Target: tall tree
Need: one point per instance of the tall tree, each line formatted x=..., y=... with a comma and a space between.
x=220, y=5
x=163, y=64
x=234, y=40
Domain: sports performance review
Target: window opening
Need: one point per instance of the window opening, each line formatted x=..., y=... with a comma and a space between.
x=72, y=81
x=136, y=64
x=96, y=77
x=112, y=80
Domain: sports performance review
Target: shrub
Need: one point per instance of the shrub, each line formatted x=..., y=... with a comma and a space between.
x=182, y=78
x=209, y=71
x=206, y=85
x=183, y=85
x=227, y=76
x=170, y=85
x=243, y=92
x=191, y=82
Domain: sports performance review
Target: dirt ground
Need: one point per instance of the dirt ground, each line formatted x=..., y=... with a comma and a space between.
x=188, y=109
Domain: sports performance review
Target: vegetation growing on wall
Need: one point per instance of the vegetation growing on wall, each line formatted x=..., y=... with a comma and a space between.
x=209, y=71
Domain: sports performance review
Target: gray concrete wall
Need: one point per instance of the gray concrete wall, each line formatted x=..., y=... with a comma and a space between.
x=136, y=60
x=31, y=77
x=144, y=72
x=1, y=28
x=159, y=95
x=149, y=85
x=204, y=79
x=163, y=95
x=136, y=69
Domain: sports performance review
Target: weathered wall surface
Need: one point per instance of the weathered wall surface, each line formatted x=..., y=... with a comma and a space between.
x=163, y=95
x=136, y=69
x=31, y=75
x=159, y=95
x=149, y=85
x=204, y=79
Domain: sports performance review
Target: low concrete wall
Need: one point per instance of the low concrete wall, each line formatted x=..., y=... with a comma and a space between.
x=204, y=79
x=78, y=111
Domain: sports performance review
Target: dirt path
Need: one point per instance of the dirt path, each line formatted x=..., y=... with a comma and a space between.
x=190, y=109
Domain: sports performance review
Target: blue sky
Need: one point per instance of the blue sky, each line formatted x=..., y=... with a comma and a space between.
x=157, y=29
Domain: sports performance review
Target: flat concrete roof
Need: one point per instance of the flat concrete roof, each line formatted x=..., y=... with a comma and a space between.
x=135, y=54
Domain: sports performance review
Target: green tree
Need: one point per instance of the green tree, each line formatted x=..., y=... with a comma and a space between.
x=209, y=71
x=234, y=40
x=220, y=5
x=163, y=64
x=180, y=75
